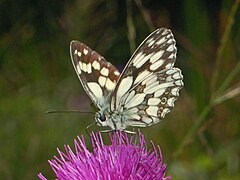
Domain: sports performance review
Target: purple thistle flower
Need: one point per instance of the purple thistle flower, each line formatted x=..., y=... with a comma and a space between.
x=121, y=160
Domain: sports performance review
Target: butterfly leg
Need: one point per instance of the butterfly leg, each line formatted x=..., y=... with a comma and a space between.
x=110, y=130
x=89, y=127
x=129, y=132
x=106, y=131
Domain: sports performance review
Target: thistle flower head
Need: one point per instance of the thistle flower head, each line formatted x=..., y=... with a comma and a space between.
x=122, y=159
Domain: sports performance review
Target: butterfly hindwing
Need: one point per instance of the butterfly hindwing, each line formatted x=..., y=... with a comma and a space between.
x=153, y=97
x=98, y=77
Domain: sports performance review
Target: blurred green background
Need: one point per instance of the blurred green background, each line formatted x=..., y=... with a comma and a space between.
x=199, y=138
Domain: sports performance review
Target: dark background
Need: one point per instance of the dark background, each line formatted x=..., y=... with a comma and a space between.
x=199, y=138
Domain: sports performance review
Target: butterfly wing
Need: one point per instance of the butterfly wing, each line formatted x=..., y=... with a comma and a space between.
x=97, y=76
x=149, y=84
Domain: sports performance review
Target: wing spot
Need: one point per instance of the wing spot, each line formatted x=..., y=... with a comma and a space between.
x=136, y=58
x=151, y=88
x=123, y=87
x=80, y=64
x=149, y=80
x=162, y=40
x=170, y=41
x=89, y=68
x=159, y=92
x=95, y=89
x=176, y=75
x=169, y=65
x=131, y=111
x=164, y=112
x=171, y=101
x=96, y=65
x=84, y=67
x=169, y=78
x=151, y=41
x=171, y=71
x=110, y=85
x=79, y=54
x=102, y=80
x=130, y=96
x=75, y=52
x=78, y=68
x=152, y=110
x=141, y=76
x=165, y=31
x=172, y=56
x=135, y=116
x=175, y=91
x=163, y=100
x=179, y=83
x=104, y=71
x=170, y=48
x=153, y=101
x=169, y=36
x=156, y=56
x=85, y=51
x=136, y=100
x=116, y=73
x=147, y=120
x=156, y=65
x=165, y=85
x=142, y=61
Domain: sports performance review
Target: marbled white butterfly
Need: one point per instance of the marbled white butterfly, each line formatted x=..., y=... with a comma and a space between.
x=143, y=93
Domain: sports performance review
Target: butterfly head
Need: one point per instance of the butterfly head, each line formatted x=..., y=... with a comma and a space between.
x=101, y=119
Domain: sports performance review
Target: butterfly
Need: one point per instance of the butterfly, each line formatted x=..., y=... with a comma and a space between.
x=142, y=94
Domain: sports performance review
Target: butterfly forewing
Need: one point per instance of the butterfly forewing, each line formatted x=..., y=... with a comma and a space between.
x=149, y=84
x=98, y=77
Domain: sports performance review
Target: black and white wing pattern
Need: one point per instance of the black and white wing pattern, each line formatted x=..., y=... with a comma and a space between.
x=145, y=91
x=149, y=84
x=97, y=76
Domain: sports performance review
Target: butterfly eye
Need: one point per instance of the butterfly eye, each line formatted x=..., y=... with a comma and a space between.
x=102, y=118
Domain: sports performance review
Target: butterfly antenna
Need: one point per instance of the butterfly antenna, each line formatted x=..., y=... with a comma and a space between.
x=69, y=111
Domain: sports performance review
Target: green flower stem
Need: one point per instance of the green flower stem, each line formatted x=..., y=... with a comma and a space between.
x=228, y=80
x=223, y=43
x=131, y=27
x=213, y=101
